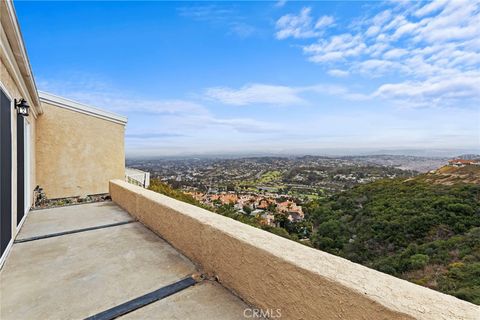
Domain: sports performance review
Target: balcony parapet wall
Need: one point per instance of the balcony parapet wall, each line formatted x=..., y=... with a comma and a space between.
x=272, y=273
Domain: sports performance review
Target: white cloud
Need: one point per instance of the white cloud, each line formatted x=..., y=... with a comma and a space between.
x=338, y=73
x=255, y=94
x=223, y=15
x=336, y=91
x=301, y=25
x=242, y=29
x=415, y=42
x=178, y=118
x=375, y=68
x=435, y=91
x=377, y=23
x=395, y=53
x=119, y=102
x=245, y=124
x=277, y=95
x=382, y=17
x=206, y=12
x=430, y=7
x=280, y=3
x=325, y=21
x=336, y=48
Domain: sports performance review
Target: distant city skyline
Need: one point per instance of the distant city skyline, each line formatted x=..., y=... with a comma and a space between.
x=286, y=77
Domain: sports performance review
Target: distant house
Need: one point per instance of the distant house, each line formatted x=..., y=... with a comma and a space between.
x=264, y=203
x=229, y=198
x=294, y=212
x=463, y=162
x=268, y=219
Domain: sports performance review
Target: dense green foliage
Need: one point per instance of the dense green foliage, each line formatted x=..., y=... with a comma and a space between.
x=423, y=232
x=160, y=187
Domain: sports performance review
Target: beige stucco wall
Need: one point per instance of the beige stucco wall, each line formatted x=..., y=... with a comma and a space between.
x=77, y=154
x=271, y=272
x=14, y=91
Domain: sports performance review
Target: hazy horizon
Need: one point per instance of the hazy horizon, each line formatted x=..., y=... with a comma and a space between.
x=267, y=77
x=327, y=153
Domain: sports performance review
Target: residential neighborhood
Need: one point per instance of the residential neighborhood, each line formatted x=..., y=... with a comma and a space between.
x=464, y=162
x=264, y=206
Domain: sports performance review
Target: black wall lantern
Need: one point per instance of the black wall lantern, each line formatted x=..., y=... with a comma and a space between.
x=22, y=107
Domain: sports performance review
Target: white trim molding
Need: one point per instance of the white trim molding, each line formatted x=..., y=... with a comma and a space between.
x=5, y=90
x=20, y=225
x=80, y=107
x=3, y=258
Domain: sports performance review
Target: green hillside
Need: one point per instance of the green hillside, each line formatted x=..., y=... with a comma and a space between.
x=423, y=232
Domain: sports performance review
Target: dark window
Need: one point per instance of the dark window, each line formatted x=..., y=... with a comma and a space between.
x=5, y=172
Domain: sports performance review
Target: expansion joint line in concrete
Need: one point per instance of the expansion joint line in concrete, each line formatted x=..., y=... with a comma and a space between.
x=58, y=234
x=144, y=300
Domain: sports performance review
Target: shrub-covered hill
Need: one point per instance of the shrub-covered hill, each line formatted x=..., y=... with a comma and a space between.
x=423, y=232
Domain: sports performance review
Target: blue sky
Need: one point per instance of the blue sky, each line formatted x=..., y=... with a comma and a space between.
x=267, y=77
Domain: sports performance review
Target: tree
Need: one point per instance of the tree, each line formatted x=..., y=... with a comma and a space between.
x=247, y=209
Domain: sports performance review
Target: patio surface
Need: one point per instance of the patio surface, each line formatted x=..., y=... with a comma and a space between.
x=77, y=275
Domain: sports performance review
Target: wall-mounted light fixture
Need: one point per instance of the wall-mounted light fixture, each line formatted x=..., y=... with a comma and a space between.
x=22, y=107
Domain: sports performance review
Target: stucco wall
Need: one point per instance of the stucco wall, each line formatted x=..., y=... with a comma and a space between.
x=13, y=90
x=271, y=272
x=77, y=154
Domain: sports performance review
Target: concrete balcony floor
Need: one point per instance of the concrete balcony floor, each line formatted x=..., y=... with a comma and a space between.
x=77, y=275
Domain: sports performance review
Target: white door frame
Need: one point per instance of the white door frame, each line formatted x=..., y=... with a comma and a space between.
x=27, y=152
x=27, y=163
